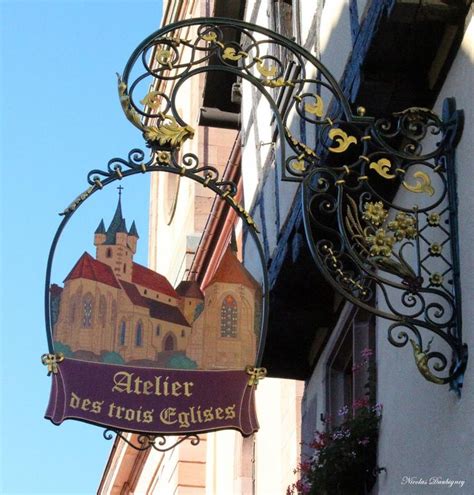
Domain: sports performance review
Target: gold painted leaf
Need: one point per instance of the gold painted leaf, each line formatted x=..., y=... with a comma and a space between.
x=316, y=108
x=266, y=72
x=343, y=140
x=163, y=57
x=170, y=133
x=211, y=36
x=152, y=100
x=423, y=185
x=230, y=53
x=382, y=167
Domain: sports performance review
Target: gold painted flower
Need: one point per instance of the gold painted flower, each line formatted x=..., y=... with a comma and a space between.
x=381, y=243
x=374, y=213
x=163, y=157
x=435, y=249
x=436, y=279
x=433, y=219
x=404, y=226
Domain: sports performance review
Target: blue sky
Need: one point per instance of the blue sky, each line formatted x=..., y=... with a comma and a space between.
x=60, y=117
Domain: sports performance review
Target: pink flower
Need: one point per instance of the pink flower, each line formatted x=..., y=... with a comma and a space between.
x=343, y=411
x=358, y=404
x=367, y=353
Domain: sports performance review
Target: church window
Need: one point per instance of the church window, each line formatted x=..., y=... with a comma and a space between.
x=108, y=253
x=124, y=268
x=102, y=311
x=87, y=304
x=114, y=312
x=169, y=343
x=139, y=334
x=72, y=310
x=183, y=333
x=229, y=317
x=158, y=330
x=122, y=333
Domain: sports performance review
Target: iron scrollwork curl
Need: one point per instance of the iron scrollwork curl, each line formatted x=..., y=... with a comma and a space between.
x=159, y=443
x=382, y=226
x=378, y=194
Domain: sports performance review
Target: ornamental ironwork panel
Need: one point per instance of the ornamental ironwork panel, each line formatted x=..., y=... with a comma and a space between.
x=379, y=193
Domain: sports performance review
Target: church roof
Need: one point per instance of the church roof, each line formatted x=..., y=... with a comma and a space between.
x=141, y=275
x=117, y=225
x=231, y=270
x=133, y=230
x=91, y=269
x=188, y=288
x=158, y=309
x=101, y=228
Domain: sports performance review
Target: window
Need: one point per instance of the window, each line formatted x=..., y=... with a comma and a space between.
x=122, y=333
x=124, y=268
x=108, y=253
x=113, y=315
x=183, y=333
x=229, y=317
x=87, y=304
x=139, y=334
x=157, y=330
x=169, y=344
x=72, y=310
x=350, y=368
x=102, y=311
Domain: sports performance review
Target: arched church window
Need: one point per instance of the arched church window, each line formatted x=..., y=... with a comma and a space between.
x=139, y=334
x=157, y=330
x=108, y=253
x=72, y=310
x=122, y=332
x=102, y=311
x=229, y=317
x=87, y=304
x=113, y=315
x=169, y=343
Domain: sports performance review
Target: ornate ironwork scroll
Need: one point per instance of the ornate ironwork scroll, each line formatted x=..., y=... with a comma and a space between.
x=160, y=443
x=379, y=195
x=382, y=227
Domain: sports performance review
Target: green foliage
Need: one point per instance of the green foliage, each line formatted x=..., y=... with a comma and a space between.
x=63, y=348
x=180, y=361
x=112, y=358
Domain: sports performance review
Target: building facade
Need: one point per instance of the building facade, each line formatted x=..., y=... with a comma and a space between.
x=387, y=55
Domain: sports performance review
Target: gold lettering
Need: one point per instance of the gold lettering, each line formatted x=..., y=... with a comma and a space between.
x=208, y=416
x=219, y=412
x=187, y=388
x=230, y=412
x=85, y=404
x=123, y=382
x=167, y=415
x=75, y=401
x=175, y=389
x=148, y=416
x=147, y=386
x=97, y=406
x=183, y=419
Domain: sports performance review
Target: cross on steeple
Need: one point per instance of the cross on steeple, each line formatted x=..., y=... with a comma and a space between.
x=120, y=188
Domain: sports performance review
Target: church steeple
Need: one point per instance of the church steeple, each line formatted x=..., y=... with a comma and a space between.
x=116, y=245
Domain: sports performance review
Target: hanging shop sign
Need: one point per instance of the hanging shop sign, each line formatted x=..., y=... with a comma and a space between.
x=129, y=351
x=151, y=400
x=132, y=353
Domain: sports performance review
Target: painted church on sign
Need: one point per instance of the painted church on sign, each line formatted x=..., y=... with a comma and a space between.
x=114, y=310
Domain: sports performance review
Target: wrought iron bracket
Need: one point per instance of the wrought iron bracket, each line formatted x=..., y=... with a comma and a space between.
x=159, y=443
x=379, y=194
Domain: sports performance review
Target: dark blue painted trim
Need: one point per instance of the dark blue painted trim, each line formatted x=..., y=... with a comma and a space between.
x=350, y=81
x=354, y=18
